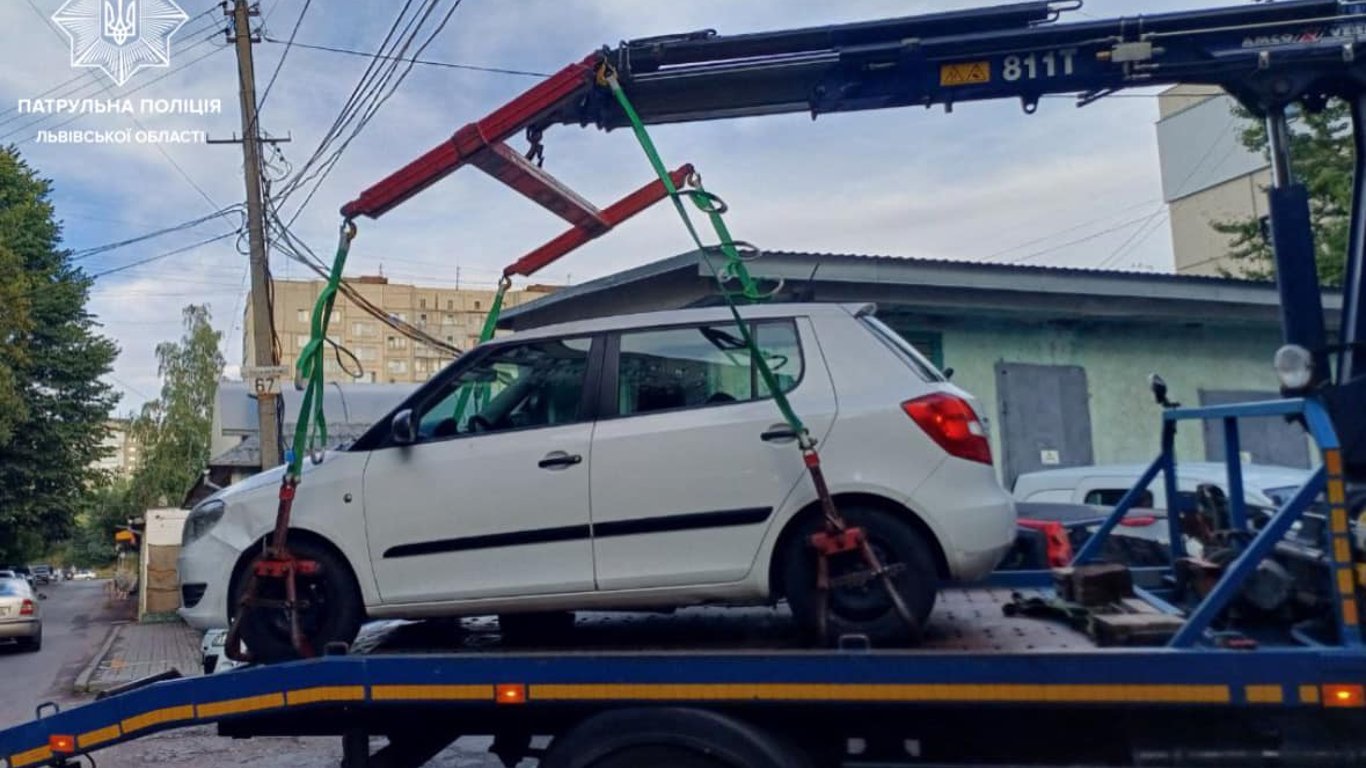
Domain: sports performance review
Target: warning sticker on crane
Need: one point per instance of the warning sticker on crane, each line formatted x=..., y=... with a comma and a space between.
x=965, y=73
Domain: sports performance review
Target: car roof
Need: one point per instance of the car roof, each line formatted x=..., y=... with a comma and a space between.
x=719, y=314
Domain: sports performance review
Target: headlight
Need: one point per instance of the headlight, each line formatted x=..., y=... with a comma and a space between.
x=201, y=519
x=1294, y=366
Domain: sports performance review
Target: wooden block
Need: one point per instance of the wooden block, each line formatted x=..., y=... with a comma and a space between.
x=1135, y=628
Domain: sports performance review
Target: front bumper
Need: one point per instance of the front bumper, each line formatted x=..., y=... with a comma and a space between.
x=21, y=629
x=208, y=561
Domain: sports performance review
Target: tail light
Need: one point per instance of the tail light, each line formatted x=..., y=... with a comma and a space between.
x=26, y=609
x=951, y=422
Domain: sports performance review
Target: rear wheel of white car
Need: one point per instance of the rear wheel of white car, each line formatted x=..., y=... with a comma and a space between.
x=864, y=608
x=331, y=609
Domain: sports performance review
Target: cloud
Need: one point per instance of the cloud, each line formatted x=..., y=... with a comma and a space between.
x=982, y=181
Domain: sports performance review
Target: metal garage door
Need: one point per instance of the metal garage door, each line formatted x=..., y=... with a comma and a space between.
x=1045, y=417
x=1267, y=441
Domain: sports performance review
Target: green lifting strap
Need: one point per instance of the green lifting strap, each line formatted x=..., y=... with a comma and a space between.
x=311, y=430
x=735, y=266
x=490, y=325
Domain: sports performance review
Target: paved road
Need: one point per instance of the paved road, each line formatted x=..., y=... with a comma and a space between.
x=75, y=620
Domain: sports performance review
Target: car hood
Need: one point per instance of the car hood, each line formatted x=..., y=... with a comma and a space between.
x=271, y=477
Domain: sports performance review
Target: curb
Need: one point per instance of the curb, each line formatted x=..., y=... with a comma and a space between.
x=82, y=684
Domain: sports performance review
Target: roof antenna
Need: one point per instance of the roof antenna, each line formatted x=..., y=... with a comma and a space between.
x=807, y=293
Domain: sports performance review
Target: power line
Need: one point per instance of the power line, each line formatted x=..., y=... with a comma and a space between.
x=424, y=62
x=160, y=256
x=86, y=253
x=281, y=63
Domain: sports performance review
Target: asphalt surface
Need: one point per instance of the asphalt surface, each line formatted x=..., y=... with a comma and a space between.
x=76, y=618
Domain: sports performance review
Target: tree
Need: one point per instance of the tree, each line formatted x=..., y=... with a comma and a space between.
x=175, y=429
x=55, y=405
x=1321, y=157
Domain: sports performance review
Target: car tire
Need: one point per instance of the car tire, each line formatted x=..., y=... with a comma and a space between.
x=35, y=643
x=864, y=610
x=334, y=615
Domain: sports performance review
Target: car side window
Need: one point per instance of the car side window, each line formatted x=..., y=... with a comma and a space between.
x=518, y=386
x=670, y=368
x=1109, y=497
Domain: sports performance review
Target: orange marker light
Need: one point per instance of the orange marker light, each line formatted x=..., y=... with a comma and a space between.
x=61, y=744
x=510, y=693
x=1343, y=696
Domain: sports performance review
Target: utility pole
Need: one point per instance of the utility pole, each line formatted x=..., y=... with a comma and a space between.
x=267, y=388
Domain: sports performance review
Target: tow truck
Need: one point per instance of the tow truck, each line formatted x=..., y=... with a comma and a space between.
x=985, y=688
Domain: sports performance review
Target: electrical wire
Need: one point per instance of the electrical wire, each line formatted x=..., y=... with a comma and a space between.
x=424, y=62
x=372, y=92
x=160, y=256
x=283, y=56
x=85, y=253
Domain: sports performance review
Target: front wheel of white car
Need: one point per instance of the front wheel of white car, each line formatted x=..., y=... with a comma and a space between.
x=330, y=608
x=859, y=604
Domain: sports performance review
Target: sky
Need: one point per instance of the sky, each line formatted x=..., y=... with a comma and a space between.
x=1062, y=187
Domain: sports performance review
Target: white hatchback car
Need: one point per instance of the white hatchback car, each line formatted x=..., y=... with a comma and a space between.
x=631, y=462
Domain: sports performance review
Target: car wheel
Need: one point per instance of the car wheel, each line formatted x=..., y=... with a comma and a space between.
x=35, y=643
x=331, y=611
x=864, y=609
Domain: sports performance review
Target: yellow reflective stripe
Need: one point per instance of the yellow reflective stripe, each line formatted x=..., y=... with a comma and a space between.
x=1349, y=611
x=157, y=717
x=1309, y=694
x=1339, y=520
x=1332, y=462
x=1264, y=694
x=31, y=757
x=1337, y=492
x=325, y=693
x=1345, y=581
x=1342, y=549
x=238, y=706
x=1185, y=694
x=434, y=692
x=98, y=736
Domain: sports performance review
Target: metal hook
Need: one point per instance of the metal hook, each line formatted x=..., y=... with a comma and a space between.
x=708, y=203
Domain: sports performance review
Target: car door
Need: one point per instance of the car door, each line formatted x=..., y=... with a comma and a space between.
x=491, y=498
x=683, y=484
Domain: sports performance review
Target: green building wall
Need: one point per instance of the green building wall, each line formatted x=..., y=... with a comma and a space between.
x=1117, y=358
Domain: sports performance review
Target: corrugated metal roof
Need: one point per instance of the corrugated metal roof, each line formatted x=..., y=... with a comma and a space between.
x=939, y=283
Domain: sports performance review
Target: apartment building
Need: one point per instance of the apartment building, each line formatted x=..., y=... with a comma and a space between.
x=454, y=316
x=1208, y=176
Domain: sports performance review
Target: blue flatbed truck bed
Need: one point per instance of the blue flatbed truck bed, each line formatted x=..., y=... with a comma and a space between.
x=983, y=689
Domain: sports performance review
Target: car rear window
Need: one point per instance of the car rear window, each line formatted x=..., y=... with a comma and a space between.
x=13, y=588
x=903, y=349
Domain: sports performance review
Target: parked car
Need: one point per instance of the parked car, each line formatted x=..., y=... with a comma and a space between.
x=1264, y=485
x=84, y=575
x=23, y=572
x=43, y=574
x=1051, y=533
x=21, y=619
x=698, y=492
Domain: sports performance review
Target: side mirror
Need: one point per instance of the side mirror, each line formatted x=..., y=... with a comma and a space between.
x=404, y=427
